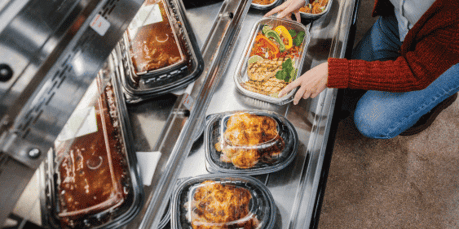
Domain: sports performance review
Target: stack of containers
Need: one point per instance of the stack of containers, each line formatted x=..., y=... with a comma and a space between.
x=91, y=177
x=239, y=144
x=159, y=52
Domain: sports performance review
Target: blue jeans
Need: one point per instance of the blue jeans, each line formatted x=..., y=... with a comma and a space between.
x=384, y=115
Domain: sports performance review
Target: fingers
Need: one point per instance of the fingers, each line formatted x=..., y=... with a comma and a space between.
x=307, y=94
x=289, y=87
x=299, y=95
x=277, y=9
x=288, y=11
x=298, y=16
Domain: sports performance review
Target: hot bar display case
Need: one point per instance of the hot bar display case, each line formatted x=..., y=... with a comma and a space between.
x=290, y=188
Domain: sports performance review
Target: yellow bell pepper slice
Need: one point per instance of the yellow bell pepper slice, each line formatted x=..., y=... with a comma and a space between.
x=281, y=30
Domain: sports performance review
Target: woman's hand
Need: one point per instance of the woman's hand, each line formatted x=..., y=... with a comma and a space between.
x=287, y=8
x=311, y=83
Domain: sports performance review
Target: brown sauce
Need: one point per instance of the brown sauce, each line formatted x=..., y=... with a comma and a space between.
x=155, y=45
x=92, y=172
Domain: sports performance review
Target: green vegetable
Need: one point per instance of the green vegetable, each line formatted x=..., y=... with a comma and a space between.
x=292, y=33
x=299, y=38
x=288, y=72
x=265, y=28
x=273, y=34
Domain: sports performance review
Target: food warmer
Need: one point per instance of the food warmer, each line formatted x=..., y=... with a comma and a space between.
x=66, y=53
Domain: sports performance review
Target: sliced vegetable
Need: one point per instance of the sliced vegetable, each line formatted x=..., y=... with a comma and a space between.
x=299, y=38
x=254, y=59
x=263, y=42
x=292, y=33
x=281, y=30
x=288, y=72
x=273, y=34
x=266, y=27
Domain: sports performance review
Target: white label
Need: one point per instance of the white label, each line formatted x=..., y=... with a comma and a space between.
x=147, y=15
x=188, y=101
x=100, y=24
x=82, y=122
x=147, y=162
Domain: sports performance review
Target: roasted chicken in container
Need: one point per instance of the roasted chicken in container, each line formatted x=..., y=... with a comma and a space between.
x=222, y=201
x=250, y=139
x=223, y=206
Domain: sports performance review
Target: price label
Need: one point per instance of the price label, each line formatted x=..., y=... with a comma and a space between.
x=100, y=24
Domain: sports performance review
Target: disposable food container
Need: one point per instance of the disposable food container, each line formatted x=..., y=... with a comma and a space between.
x=322, y=5
x=259, y=6
x=266, y=65
x=91, y=178
x=249, y=142
x=159, y=51
x=166, y=216
x=223, y=201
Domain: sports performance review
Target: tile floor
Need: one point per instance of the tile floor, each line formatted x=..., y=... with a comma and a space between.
x=404, y=182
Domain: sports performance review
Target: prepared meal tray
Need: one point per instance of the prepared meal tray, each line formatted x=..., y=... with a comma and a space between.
x=265, y=4
x=159, y=51
x=223, y=201
x=314, y=9
x=249, y=142
x=273, y=57
x=92, y=179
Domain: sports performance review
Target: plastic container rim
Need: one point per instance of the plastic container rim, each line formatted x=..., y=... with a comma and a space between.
x=215, y=168
x=175, y=220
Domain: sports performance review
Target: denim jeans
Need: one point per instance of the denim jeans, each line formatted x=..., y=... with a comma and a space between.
x=384, y=115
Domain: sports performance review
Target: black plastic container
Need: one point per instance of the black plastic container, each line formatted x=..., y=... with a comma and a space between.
x=139, y=86
x=116, y=200
x=272, y=155
x=254, y=202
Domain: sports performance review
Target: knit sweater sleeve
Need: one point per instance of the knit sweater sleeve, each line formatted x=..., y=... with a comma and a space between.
x=434, y=49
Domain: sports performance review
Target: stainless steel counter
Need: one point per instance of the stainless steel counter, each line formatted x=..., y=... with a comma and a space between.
x=295, y=187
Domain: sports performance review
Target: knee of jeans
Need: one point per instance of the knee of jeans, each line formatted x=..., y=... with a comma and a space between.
x=373, y=126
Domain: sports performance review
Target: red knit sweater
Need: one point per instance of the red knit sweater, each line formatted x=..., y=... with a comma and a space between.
x=430, y=48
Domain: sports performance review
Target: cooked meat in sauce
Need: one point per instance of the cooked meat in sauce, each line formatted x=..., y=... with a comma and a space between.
x=155, y=45
x=91, y=173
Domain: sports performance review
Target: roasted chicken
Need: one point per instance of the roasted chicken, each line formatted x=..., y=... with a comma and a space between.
x=215, y=205
x=249, y=139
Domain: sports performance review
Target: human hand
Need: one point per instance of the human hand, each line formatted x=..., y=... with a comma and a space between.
x=287, y=8
x=311, y=83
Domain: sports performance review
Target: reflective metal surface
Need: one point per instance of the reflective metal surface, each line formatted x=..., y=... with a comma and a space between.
x=175, y=140
x=50, y=51
x=294, y=188
x=162, y=124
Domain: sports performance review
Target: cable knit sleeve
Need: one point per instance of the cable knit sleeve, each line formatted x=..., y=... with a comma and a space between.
x=430, y=48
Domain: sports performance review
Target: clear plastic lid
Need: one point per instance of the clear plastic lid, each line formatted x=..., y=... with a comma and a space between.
x=92, y=178
x=249, y=142
x=223, y=201
x=152, y=40
x=159, y=51
x=315, y=8
x=272, y=58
